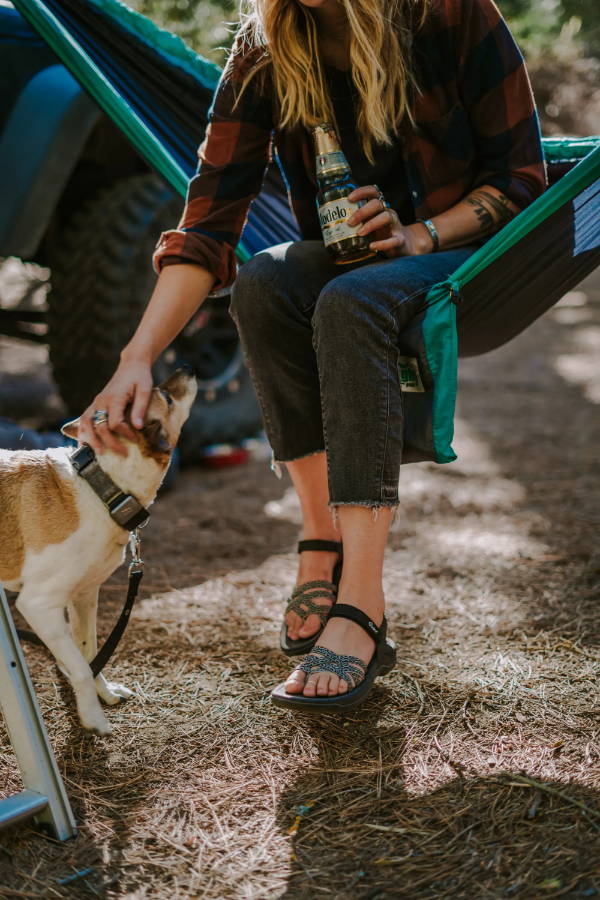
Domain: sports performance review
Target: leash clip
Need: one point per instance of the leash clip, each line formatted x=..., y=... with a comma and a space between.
x=135, y=548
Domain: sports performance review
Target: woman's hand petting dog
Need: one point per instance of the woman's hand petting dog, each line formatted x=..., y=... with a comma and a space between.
x=130, y=386
x=392, y=238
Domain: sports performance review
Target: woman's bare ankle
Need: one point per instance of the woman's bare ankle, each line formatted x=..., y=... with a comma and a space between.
x=316, y=565
x=369, y=599
x=320, y=529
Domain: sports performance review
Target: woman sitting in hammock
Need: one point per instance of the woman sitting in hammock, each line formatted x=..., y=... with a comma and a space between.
x=434, y=110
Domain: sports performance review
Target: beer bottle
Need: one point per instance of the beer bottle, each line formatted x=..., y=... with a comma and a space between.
x=335, y=183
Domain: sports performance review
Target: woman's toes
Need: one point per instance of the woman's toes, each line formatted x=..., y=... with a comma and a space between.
x=310, y=687
x=342, y=686
x=334, y=683
x=295, y=682
x=323, y=684
x=310, y=627
x=294, y=624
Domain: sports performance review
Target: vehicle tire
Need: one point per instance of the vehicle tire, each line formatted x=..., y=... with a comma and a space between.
x=101, y=281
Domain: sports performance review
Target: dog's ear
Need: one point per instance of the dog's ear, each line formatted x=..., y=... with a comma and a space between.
x=70, y=429
x=156, y=436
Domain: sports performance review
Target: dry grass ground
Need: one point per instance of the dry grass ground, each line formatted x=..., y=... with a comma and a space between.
x=474, y=770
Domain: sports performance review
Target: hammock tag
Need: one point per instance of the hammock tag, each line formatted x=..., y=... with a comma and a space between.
x=410, y=377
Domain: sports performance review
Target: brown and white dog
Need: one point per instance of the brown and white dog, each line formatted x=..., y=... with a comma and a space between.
x=58, y=543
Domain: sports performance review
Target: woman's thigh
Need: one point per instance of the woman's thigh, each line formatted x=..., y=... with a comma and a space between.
x=290, y=274
x=389, y=283
x=291, y=279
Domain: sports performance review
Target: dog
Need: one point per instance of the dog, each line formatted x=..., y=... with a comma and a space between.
x=59, y=543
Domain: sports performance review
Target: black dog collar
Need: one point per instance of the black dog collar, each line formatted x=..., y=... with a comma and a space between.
x=124, y=508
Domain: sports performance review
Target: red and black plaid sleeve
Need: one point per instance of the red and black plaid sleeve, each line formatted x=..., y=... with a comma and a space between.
x=494, y=87
x=232, y=160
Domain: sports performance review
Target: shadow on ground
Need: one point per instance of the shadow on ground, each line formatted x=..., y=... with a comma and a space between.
x=359, y=829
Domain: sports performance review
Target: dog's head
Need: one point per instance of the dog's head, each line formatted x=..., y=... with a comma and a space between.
x=168, y=408
x=167, y=412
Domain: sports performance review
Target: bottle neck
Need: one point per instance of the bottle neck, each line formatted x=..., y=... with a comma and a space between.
x=325, y=138
x=331, y=163
x=332, y=167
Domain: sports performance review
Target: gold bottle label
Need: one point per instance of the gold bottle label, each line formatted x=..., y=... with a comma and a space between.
x=333, y=217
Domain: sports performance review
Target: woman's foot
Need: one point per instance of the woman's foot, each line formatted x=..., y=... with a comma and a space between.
x=342, y=637
x=314, y=565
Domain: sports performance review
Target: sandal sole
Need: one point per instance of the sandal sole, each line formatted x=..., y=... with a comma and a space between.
x=297, y=648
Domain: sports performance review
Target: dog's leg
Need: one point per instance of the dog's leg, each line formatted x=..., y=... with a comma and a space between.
x=47, y=618
x=83, y=608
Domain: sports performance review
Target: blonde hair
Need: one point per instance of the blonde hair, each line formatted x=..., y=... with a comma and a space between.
x=380, y=62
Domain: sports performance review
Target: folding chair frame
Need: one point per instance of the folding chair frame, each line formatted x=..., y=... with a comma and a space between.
x=44, y=797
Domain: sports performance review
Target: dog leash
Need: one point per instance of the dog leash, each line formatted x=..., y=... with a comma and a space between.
x=135, y=573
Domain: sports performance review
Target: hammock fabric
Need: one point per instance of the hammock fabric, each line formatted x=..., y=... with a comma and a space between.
x=158, y=91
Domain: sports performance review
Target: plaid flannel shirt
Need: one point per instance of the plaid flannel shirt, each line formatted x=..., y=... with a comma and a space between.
x=476, y=124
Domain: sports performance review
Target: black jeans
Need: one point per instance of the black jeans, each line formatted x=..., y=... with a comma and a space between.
x=321, y=346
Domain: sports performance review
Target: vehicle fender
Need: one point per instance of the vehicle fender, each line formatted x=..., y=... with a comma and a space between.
x=39, y=147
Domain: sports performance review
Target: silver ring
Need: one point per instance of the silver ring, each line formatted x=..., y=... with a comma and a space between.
x=381, y=198
x=100, y=416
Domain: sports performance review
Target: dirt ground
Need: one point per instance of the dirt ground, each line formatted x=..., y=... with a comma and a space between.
x=474, y=770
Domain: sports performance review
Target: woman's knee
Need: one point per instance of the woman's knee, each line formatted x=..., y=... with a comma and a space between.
x=342, y=299
x=287, y=275
x=254, y=284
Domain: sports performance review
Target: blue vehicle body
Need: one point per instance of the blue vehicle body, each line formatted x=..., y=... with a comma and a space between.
x=40, y=145
x=48, y=126
x=57, y=148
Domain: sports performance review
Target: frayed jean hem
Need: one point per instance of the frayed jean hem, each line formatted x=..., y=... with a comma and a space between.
x=374, y=506
x=276, y=464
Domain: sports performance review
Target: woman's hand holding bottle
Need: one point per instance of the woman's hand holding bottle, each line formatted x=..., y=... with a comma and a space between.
x=392, y=238
x=482, y=212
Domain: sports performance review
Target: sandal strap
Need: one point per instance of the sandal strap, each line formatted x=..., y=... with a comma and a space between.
x=345, y=611
x=328, y=586
x=350, y=668
x=302, y=600
x=330, y=546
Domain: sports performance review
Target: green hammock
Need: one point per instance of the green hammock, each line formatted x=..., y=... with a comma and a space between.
x=555, y=243
x=145, y=79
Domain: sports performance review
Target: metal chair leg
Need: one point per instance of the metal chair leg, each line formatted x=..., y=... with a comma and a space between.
x=44, y=796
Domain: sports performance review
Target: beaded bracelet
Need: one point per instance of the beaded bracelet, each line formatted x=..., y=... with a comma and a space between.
x=433, y=232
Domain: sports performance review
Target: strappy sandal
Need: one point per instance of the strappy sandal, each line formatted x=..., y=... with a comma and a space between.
x=359, y=676
x=302, y=600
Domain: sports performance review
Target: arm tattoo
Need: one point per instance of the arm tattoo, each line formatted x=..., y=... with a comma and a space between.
x=493, y=212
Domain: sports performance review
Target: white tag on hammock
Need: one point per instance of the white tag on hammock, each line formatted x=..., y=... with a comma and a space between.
x=410, y=377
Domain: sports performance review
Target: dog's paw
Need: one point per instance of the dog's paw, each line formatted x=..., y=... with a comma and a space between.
x=96, y=722
x=111, y=692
